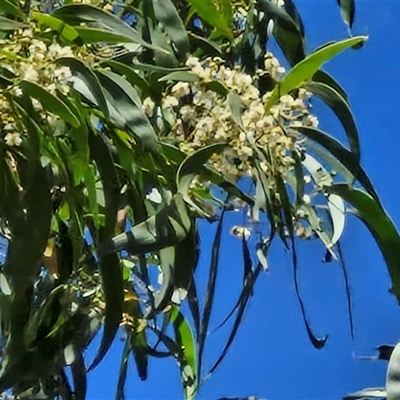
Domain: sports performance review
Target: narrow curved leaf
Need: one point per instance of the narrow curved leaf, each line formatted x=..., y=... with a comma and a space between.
x=110, y=268
x=180, y=76
x=82, y=72
x=210, y=293
x=287, y=32
x=127, y=103
x=193, y=165
x=123, y=372
x=185, y=340
x=168, y=227
x=131, y=76
x=166, y=13
x=343, y=155
x=50, y=103
x=379, y=224
x=78, y=370
x=323, y=77
x=342, y=110
x=348, y=9
x=305, y=69
x=76, y=13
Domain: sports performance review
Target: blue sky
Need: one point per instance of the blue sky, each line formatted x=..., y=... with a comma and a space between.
x=272, y=357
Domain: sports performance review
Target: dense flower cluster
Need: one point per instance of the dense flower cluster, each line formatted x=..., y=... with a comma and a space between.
x=25, y=57
x=202, y=116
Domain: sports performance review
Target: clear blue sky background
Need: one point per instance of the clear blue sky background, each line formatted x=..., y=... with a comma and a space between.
x=272, y=357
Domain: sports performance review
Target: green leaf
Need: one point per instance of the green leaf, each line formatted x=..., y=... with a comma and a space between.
x=304, y=70
x=123, y=372
x=76, y=13
x=341, y=109
x=236, y=107
x=185, y=340
x=127, y=103
x=9, y=24
x=207, y=10
x=192, y=166
x=323, y=77
x=348, y=9
x=343, y=155
x=379, y=224
x=166, y=13
x=66, y=31
x=287, y=32
x=180, y=76
x=93, y=35
x=110, y=268
x=49, y=102
x=210, y=293
x=90, y=182
x=131, y=76
x=167, y=261
x=82, y=72
x=8, y=7
x=166, y=228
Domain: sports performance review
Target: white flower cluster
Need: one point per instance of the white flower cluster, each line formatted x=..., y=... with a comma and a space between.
x=32, y=60
x=203, y=117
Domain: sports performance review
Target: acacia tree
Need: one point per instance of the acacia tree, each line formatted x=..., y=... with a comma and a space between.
x=118, y=122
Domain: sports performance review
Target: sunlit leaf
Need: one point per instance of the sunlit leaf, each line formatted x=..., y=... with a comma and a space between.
x=68, y=32
x=305, y=69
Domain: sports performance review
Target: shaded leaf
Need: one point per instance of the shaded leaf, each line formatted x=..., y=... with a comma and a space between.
x=342, y=110
x=78, y=370
x=180, y=76
x=82, y=72
x=11, y=8
x=127, y=103
x=348, y=9
x=49, y=102
x=287, y=31
x=166, y=13
x=123, y=371
x=305, y=69
x=9, y=24
x=210, y=293
x=323, y=77
x=342, y=155
x=207, y=10
x=379, y=224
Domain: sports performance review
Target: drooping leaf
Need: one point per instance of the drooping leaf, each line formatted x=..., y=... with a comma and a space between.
x=123, y=372
x=210, y=293
x=380, y=226
x=342, y=110
x=50, y=102
x=78, y=370
x=167, y=261
x=82, y=72
x=303, y=71
x=192, y=166
x=110, y=268
x=131, y=76
x=168, y=227
x=323, y=77
x=348, y=9
x=185, y=340
x=127, y=103
x=344, y=156
x=166, y=13
x=287, y=32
